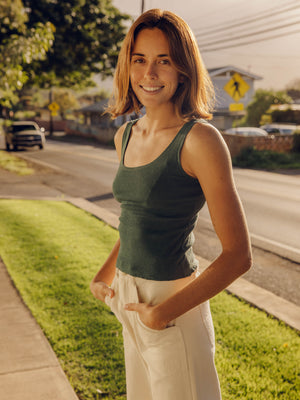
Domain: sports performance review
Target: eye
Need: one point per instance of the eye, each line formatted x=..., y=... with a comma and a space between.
x=164, y=61
x=137, y=60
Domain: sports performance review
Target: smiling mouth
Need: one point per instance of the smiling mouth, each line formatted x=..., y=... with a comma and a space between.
x=151, y=89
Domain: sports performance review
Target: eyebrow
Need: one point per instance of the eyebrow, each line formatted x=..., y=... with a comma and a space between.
x=143, y=55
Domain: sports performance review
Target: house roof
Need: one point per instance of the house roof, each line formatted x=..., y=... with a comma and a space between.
x=230, y=68
x=97, y=107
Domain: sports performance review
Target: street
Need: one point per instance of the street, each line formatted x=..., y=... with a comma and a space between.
x=271, y=201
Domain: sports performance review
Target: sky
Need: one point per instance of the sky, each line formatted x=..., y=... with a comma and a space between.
x=246, y=22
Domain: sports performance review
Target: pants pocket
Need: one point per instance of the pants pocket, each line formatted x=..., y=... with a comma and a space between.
x=112, y=301
x=207, y=322
x=165, y=356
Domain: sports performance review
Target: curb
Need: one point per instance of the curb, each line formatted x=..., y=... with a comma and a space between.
x=282, y=250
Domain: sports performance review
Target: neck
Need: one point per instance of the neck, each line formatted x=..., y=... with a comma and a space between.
x=161, y=118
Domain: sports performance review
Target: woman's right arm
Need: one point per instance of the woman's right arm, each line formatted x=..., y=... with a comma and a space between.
x=100, y=284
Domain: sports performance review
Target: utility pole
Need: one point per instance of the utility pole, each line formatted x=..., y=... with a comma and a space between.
x=51, y=119
x=143, y=4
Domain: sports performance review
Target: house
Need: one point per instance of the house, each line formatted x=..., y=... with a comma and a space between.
x=93, y=114
x=234, y=88
x=95, y=123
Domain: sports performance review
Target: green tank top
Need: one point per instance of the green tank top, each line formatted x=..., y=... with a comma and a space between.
x=159, y=207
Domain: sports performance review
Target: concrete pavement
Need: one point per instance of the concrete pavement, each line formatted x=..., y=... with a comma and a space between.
x=29, y=369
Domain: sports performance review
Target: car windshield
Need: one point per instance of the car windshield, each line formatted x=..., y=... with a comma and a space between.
x=19, y=128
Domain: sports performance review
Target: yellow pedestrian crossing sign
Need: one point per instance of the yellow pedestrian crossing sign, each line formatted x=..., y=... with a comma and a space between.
x=236, y=87
x=53, y=107
x=236, y=107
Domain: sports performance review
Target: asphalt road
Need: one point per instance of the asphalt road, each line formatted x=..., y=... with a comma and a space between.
x=271, y=202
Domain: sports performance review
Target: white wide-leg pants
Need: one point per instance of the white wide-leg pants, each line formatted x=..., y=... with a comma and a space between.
x=176, y=363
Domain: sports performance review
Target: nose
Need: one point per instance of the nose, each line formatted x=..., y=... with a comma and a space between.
x=150, y=71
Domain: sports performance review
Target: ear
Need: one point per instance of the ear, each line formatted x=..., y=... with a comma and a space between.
x=181, y=78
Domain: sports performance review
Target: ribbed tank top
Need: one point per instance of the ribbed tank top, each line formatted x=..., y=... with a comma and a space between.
x=159, y=207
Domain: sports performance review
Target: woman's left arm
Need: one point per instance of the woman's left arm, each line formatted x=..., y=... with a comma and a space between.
x=205, y=156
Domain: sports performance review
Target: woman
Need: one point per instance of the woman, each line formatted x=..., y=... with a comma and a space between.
x=171, y=161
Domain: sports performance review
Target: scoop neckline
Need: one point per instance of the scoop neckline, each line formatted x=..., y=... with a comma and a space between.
x=158, y=157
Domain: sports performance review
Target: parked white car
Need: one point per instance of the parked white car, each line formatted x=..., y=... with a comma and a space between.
x=247, y=131
x=283, y=129
x=24, y=134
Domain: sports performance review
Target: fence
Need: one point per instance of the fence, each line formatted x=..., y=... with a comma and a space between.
x=102, y=134
x=280, y=143
x=58, y=125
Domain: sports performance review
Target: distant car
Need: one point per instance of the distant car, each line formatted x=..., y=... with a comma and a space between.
x=281, y=129
x=247, y=131
x=24, y=134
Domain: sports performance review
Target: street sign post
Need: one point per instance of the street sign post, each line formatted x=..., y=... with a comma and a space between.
x=53, y=108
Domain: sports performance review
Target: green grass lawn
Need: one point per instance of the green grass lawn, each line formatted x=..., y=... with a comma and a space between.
x=14, y=164
x=52, y=250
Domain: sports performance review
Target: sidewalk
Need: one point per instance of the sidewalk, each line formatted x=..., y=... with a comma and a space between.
x=29, y=369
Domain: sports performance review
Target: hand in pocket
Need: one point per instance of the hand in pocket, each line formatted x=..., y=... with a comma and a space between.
x=100, y=290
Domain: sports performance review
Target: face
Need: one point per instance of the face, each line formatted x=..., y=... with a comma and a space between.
x=153, y=76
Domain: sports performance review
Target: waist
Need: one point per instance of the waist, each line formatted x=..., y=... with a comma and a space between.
x=154, y=292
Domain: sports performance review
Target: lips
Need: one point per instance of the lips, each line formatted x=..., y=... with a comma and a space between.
x=151, y=89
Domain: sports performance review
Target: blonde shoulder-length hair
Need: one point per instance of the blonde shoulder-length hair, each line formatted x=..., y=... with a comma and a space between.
x=194, y=97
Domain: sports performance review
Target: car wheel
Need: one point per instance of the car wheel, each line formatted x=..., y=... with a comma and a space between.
x=41, y=146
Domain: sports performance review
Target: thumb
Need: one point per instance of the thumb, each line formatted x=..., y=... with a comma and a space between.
x=109, y=292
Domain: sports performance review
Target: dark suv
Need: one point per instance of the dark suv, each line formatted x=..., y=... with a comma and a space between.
x=24, y=134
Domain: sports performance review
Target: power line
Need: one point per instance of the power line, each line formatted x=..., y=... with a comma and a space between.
x=241, y=29
x=249, y=42
x=254, y=18
x=207, y=14
x=230, y=39
x=266, y=57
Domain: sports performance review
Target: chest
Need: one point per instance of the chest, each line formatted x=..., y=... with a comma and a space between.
x=142, y=148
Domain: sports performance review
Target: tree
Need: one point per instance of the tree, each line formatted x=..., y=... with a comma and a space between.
x=19, y=47
x=293, y=89
x=66, y=101
x=262, y=101
x=88, y=35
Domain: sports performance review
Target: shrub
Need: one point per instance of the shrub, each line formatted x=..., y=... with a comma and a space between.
x=296, y=142
x=249, y=157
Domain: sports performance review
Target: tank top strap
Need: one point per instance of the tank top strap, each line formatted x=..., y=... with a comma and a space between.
x=126, y=135
x=182, y=134
x=176, y=144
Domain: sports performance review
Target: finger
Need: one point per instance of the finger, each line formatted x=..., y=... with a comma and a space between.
x=132, y=306
x=109, y=292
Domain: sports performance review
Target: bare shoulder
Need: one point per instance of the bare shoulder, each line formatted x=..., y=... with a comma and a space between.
x=205, y=134
x=118, y=139
x=204, y=147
